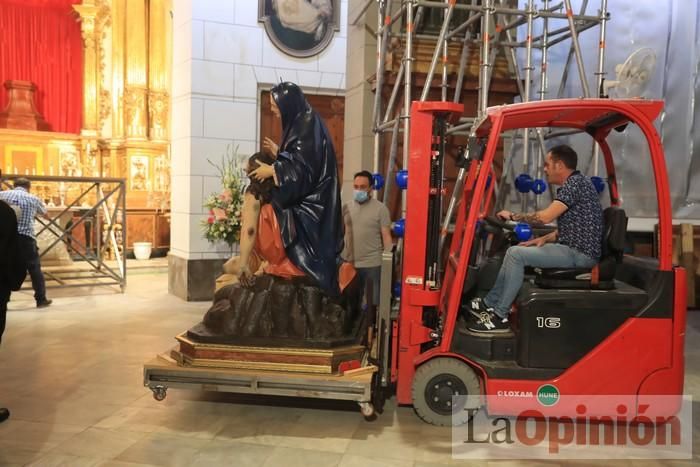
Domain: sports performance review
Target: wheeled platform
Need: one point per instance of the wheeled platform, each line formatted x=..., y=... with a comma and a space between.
x=164, y=372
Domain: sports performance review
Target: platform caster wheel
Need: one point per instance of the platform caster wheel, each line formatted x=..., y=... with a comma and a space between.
x=367, y=410
x=159, y=392
x=435, y=385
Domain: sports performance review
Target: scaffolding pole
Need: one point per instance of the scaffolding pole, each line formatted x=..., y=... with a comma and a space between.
x=408, y=75
x=382, y=40
x=577, y=49
x=392, y=161
x=526, y=94
x=600, y=74
x=543, y=91
x=565, y=73
x=443, y=87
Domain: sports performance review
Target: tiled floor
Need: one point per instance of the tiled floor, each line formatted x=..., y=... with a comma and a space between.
x=72, y=377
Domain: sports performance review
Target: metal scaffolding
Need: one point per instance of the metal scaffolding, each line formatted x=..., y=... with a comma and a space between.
x=100, y=209
x=498, y=21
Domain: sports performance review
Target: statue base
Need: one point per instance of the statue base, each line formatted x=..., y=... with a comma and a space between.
x=279, y=325
x=247, y=357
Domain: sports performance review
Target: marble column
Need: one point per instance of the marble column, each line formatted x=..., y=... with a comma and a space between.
x=88, y=16
x=193, y=264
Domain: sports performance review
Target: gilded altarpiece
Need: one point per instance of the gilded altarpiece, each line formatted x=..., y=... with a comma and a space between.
x=126, y=104
x=134, y=111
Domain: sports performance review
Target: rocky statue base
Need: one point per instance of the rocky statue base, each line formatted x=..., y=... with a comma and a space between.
x=276, y=312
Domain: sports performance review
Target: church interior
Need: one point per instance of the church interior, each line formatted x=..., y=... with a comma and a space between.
x=200, y=247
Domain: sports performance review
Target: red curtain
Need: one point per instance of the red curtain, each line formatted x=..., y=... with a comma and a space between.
x=40, y=42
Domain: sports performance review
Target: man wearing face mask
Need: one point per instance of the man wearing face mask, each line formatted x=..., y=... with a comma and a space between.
x=370, y=223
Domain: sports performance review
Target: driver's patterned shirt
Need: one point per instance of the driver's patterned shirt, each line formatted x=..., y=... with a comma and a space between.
x=581, y=225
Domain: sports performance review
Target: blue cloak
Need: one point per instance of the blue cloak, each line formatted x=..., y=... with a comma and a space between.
x=307, y=200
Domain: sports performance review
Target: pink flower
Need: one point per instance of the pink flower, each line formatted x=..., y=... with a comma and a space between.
x=210, y=220
x=219, y=214
x=226, y=196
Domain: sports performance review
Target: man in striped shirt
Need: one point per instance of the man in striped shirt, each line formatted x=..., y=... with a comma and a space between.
x=29, y=206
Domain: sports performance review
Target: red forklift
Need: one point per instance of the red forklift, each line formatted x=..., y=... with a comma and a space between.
x=615, y=329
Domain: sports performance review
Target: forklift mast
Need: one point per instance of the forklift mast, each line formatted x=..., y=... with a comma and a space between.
x=420, y=291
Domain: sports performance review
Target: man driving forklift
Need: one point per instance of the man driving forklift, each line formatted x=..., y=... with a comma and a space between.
x=575, y=243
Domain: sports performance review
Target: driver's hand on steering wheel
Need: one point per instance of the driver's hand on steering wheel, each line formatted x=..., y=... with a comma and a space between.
x=505, y=215
x=539, y=241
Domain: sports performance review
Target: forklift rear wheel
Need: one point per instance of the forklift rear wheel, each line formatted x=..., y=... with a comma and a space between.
x=434, y=386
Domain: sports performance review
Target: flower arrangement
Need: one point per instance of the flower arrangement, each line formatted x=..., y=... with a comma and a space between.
x=224, y=220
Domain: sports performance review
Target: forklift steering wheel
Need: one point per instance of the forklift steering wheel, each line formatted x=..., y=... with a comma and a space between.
x=494, y=221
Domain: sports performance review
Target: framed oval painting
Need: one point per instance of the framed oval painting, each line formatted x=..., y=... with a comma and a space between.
x=300, y=28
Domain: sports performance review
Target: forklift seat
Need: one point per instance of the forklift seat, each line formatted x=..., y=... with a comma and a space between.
x=602, y=276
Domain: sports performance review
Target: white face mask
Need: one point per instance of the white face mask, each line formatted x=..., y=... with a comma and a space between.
x=360, y=196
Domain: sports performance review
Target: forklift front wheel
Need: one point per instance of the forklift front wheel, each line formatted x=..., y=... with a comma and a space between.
x=444, y=392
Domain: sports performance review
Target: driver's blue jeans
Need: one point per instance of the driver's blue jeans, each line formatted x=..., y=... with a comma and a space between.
x=510, y=276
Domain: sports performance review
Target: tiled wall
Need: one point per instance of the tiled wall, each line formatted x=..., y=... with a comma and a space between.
x=222, y=57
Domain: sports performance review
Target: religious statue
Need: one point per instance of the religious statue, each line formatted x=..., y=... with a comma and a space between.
x=139, y=173
x=69, y=164
x=293, y=285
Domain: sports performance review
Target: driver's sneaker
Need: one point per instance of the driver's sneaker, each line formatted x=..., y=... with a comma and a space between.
x=490, y=322
x=477, y=308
